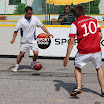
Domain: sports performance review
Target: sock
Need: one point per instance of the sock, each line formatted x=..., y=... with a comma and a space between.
x=102, y=92
x=79, y=88
x=33, y=63
x=17, y=65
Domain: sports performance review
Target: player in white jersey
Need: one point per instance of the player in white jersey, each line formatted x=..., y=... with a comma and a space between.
x=27, y=26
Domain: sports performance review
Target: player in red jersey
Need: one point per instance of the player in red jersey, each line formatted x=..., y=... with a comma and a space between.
x=88, y=32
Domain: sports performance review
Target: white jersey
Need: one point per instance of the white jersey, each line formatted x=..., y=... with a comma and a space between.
x=28, y=29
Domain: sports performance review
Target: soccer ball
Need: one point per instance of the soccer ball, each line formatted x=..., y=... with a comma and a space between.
x=37, y=66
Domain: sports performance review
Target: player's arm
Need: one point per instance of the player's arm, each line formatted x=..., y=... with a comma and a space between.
x=100, y=35
x=39, y=24
x=69, y=49
x=14, y=37
x=72, y=35
x=45, y=30
x=18, y=26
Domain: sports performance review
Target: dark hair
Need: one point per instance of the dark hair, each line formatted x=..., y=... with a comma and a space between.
x=78, y=11
x=67, y=6
x=28, y=8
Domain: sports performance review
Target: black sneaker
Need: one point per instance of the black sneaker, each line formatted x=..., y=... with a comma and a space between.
x=102, y=93
x=76, y=91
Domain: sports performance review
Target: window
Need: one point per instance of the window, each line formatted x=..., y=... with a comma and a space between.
x=14, y=2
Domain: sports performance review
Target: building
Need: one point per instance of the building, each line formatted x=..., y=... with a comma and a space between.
x=9, y=6
x=101, y=7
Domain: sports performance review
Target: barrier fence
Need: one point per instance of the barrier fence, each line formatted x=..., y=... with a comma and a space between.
x=48, y=13
x=46, y=10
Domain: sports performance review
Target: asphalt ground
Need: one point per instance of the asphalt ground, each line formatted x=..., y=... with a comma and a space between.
x=51, y=85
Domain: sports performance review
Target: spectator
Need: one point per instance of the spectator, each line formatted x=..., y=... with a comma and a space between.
x=66, y=18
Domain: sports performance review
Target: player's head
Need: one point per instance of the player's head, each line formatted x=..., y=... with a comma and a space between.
x=28, y=12
x=78, y=11
x=67, y=8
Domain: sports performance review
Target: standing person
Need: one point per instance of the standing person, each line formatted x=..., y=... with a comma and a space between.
x=89, y=34
x=67, y=17
x=27, y=25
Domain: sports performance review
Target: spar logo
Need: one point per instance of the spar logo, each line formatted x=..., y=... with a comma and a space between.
x=43, y=41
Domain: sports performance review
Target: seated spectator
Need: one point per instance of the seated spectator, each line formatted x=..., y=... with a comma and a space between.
x=66, y=18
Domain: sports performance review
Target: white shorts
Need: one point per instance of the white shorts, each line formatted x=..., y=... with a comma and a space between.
x=83, y=59
x=24, y=47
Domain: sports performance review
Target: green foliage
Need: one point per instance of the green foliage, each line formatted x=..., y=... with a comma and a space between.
x=43, y=6
x=20, y=9
x=95, y=7
x=14, y=2
x=61, y=9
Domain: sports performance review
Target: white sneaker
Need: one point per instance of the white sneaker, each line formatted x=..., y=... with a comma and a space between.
x=15, y=69
x=32, y=65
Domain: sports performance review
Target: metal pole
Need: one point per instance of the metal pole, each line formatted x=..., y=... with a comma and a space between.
x=89, y=8
x=49, y=13
x=46, y=13
x=5, y=7
x=25, y=3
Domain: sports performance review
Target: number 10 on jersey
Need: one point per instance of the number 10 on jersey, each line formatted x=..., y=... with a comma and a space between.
x=89, y=27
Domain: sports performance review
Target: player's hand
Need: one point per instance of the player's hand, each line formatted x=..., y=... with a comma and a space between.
x=12, y=41
x=66, y=16
x=65, y=61
x=51, y=35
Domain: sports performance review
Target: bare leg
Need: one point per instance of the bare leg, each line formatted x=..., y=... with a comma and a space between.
x=19, y=57
x=35, y=55
x=78, y=76
x=100, y=75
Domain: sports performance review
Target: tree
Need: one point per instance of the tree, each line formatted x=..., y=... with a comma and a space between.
x=14, y=2
x=95, y=7
x=20, y=9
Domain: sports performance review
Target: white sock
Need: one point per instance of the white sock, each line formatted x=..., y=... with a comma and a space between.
x=33, y=62
x=17, y=65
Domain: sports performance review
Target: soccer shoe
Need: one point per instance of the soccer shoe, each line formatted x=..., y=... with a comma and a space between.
x=15, y=69
x=32, y=65
x=102, y=94
x=76, y=91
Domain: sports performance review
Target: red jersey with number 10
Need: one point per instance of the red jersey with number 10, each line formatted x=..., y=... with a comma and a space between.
x=87, y=30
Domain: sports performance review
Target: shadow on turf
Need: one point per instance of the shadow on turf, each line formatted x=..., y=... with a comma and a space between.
x=21, y=67
x=69, y=87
